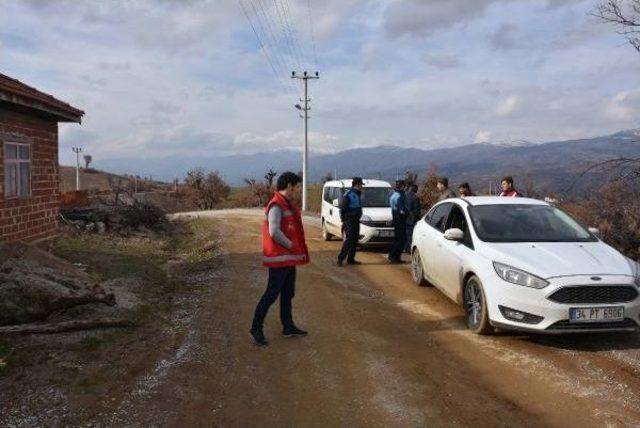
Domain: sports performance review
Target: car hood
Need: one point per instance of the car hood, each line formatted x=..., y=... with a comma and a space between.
x=550, y=259
x=378, y=214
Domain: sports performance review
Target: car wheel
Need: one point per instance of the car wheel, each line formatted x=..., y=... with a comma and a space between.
x=417, y=270
x=326, y=236
x=476, y=308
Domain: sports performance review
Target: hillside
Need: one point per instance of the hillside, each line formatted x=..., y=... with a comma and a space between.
x=553, y=166
x=96, y=180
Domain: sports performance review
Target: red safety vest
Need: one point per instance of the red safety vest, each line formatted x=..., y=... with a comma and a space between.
x=513, y=193
x=275, y=255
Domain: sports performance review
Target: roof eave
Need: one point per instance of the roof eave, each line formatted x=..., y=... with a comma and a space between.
x=61, y=115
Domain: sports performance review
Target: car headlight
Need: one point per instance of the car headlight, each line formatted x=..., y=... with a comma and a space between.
x=635, y=266
x=519, y=277
x=365, y=218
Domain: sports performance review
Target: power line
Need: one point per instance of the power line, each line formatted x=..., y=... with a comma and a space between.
x=270, y=40
x=292, y=30
x=285, y=34
x=313, y=35
x=276, y=73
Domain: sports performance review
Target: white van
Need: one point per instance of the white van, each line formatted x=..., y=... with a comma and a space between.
x=376, y=226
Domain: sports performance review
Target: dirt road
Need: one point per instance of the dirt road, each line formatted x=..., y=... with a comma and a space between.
x=382, y=352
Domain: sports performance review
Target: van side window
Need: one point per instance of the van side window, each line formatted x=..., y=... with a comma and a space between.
x=326, y=194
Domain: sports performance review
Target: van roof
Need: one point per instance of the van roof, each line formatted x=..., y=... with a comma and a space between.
x=366, y=183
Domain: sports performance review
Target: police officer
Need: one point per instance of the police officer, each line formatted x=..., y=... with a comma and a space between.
x=350, y=213
x=399, y=215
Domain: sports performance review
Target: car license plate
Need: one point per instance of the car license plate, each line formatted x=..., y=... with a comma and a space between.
x=386, y=233
x=609, y=313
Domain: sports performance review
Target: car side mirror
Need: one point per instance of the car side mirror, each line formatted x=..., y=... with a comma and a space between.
x=594, y=231
x=336, y=202
x=454, y=234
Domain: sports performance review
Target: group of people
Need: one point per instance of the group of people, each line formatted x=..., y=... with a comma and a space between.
x=284, y=246
x=406, y=210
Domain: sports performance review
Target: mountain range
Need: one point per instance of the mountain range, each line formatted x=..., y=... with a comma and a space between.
x=553, y=166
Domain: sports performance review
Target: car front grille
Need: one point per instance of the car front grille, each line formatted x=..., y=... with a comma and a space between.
x=380, y=239
x=595, y=294
x=627, y=323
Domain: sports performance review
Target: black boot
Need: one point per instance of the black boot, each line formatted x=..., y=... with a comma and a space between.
x=258, y=337
x=293, y=331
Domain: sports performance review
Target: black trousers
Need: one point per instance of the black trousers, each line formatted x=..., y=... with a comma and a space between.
x=400, y=232
x=282, y=282
x=352, y=234
x=409, y=236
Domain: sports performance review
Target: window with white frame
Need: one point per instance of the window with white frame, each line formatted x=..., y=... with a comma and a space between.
x=17, y=170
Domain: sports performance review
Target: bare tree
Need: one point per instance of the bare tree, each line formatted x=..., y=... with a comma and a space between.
x=625, y=15
x=269, y=176
x=87, y=160
x=428, y=192
x=328, y=176
x=410, y=177
x=206, y=189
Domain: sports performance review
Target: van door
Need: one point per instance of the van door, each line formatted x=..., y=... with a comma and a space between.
x=334, y=223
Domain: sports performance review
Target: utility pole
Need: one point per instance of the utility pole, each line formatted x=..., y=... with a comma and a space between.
x=77, y=151
x=305, y=110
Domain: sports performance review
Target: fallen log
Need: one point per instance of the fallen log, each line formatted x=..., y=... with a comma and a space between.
x=65, y=326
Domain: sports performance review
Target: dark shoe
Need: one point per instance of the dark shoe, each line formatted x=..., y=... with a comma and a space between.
x=339, y=263
x=258, y=337
x=395, y=261
x=353, y=262
x=293, y=331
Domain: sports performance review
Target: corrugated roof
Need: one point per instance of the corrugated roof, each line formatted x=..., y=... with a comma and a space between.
x=15, y=92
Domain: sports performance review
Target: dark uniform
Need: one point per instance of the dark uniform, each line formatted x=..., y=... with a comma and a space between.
x=414, y=209
x=399, y=215
x=350, y=213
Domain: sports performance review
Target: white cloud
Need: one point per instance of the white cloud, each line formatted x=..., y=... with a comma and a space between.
x=424, y=17
x=508, y=105
x=482, y=137
x=160, y=78
x=624, y=106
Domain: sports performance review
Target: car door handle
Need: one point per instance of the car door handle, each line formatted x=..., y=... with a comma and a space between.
x=331, y=212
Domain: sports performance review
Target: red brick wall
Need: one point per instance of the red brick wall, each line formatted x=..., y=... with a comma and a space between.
x=34, y=217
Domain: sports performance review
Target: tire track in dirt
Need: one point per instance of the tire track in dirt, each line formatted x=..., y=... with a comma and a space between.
x=382, y=352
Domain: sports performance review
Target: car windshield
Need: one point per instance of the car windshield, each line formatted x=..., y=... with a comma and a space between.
x=375, y=197
x=526, y=223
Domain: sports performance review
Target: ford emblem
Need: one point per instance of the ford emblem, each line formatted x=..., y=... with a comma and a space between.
x=596, y=278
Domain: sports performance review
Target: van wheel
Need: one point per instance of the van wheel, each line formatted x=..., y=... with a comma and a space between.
x=417, y=271
x=326, y=236
x=476, y=308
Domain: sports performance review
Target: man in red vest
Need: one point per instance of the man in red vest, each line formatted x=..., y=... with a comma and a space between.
x=283, y=248
x=508, y=189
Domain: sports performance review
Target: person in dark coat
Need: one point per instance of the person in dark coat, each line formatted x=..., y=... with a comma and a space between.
x=465, y=190
x=398, y=204
x=414, y=210
x=350, y=213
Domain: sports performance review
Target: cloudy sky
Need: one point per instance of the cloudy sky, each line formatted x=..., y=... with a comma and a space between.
x=161, y=78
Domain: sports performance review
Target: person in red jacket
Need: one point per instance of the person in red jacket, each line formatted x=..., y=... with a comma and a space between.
x=283, y=248
x=508, y=189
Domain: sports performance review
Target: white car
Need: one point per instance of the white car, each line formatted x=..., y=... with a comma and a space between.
x=376, y=226
x=523, y=264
